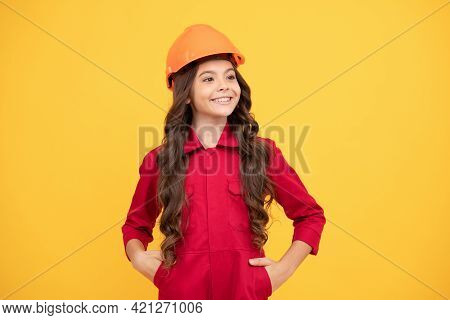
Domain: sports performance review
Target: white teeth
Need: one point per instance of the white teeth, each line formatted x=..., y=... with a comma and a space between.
x=222, y=99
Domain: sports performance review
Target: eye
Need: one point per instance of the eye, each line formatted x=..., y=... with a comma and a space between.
x=231, y=77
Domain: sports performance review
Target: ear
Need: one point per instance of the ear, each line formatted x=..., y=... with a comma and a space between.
x=188, y=101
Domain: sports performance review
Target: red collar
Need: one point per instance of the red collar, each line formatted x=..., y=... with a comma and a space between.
x=226, y=139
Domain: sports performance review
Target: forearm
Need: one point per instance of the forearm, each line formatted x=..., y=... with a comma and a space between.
x=134, y=246
x=294, y=256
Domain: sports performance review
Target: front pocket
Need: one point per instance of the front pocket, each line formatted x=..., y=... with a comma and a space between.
x=161, y=274
x=156, y=276
x=237, y=210
x=268, y=282
x=262, y=283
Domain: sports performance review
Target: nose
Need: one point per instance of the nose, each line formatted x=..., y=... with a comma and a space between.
x=223, y=86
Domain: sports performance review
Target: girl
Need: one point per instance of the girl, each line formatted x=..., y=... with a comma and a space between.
x=212, y=180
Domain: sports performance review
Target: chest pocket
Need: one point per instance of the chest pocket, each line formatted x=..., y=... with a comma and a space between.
x=189, y=191
x=238, y=213
x=187, y=220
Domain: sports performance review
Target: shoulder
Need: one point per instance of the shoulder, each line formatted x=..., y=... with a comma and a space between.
x=269, y=144
x=265, y=140
x=149, y=163
x=277, y=163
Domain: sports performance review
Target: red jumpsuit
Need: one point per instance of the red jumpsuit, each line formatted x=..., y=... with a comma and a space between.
x=212, y=262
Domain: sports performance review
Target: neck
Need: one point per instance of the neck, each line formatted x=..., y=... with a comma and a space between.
x=208, y=130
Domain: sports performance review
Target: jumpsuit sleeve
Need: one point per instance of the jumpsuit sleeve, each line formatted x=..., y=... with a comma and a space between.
x=299, y=206
x=143, y=211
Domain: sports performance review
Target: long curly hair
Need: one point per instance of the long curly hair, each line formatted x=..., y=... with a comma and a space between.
x=173, y=162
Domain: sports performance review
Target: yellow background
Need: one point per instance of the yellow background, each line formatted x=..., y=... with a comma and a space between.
x=79, y=78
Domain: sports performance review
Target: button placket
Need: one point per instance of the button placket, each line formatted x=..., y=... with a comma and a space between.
x=208, y=200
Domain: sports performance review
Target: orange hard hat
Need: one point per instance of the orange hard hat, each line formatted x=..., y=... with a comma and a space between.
x=198, y=41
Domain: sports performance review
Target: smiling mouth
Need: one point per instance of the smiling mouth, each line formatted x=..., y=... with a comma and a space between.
x=226, y=100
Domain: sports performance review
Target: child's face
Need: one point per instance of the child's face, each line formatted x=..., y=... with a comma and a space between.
x=214, y=79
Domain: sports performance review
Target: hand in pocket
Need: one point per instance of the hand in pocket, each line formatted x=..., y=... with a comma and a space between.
x=148, y=262
x=277, y=273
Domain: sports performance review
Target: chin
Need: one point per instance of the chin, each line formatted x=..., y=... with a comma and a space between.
x=225, y=112
x=221, y=111
x=220, y=114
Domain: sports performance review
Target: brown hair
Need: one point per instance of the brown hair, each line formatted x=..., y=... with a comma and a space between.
x=173, y=162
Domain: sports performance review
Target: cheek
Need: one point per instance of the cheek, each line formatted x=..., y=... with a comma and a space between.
x=237, y=89
x=200, y=91
x=203, y=93
x=201, y=100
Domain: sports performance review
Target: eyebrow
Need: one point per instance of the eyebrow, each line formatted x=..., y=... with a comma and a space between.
x=210, y=71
